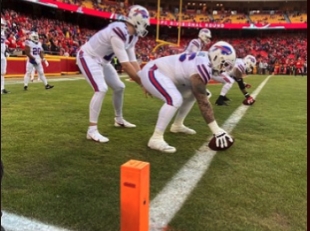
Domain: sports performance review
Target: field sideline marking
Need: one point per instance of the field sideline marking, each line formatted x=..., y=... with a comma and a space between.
x=12, y=222
x=51, y=79
x=168, y=202
x=171, y=198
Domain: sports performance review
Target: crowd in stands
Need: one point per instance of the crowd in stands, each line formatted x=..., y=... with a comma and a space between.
x=62, y=38
x=201, y=15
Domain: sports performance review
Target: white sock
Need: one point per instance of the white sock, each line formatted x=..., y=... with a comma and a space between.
x=118, y=96
x=26, y=79
x=95, y=106
x=183, y=111
x=166, y=113
x=43, y=78
x=92, y=128
x=2, y=82
x=225, y=88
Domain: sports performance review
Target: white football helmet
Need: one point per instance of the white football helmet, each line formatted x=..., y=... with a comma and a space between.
x=205, y=35
x=139, y=17
x=222, y=56
x=3, y=26
x=250, y=62
x=34, y=37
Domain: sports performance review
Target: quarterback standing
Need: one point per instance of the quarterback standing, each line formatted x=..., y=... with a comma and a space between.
x=94, y=60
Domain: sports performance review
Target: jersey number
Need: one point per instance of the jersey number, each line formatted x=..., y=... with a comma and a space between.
x=36, y=51
x=184, y=56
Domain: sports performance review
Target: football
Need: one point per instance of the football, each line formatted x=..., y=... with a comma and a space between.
x=212, y=144
x=248, y=102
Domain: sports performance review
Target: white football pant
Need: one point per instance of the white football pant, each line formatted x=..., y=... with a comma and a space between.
x=226, y=80
x=3, y=71
x=40, y=71
x=175, y=97
x=100, y=77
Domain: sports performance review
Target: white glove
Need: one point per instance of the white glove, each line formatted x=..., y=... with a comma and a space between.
x=46, y=63
x=220, y=135
x=38, y=60
x=221, y=138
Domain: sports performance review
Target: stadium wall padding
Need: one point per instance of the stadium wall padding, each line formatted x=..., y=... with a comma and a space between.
x=58, y=65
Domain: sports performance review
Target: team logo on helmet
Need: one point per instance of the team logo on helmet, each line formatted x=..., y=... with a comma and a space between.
x=142, y=12
x=251, y=58
x=225, y=50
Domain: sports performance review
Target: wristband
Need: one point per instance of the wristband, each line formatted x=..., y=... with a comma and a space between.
x=214, y=127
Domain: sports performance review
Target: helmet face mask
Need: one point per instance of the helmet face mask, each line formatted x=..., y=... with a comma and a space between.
x=34, y=37
x=222, y=56
x=205, y=35
x=138, y=16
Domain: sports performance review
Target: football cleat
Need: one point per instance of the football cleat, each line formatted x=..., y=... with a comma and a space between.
x=220, y=102
x=160, y=145
x=182, y=129
x=209, y=94
x=48, y=86
x=96, y=136
x=4, y=92
x=124, y=124
x=225, y=98
x=25, y=88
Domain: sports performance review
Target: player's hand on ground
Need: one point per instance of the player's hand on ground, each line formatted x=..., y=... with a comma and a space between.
x=249, y=101
x=221, y=138
x=247, y=85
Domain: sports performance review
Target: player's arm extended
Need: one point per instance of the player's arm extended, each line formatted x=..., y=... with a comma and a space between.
x=199, y=91
x=121, y=53
x=28, y=52
x=133, y=59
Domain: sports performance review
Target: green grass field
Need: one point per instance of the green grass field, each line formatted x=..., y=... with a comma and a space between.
x=55, y=175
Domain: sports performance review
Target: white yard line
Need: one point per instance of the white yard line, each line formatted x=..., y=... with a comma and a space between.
x=169, y=201
x=171, y=198
x=12, y=222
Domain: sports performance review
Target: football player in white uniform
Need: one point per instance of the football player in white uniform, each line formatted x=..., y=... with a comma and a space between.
x=3, y=55
x=179, y=80
x=35, y=54
x=94, y=60
x=236, y=74
x=195, y=45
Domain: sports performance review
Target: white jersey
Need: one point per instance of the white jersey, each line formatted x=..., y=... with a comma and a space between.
x=35, y=48
x=194, y=45
x=240, y=66
x=99, y=45
x=181, y=67
x=3, y=46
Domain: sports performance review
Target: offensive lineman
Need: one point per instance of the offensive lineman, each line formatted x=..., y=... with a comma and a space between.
x=94, y=60
x=236, y=74
x=3, y=56
x=35, y=54
x=179, y=80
